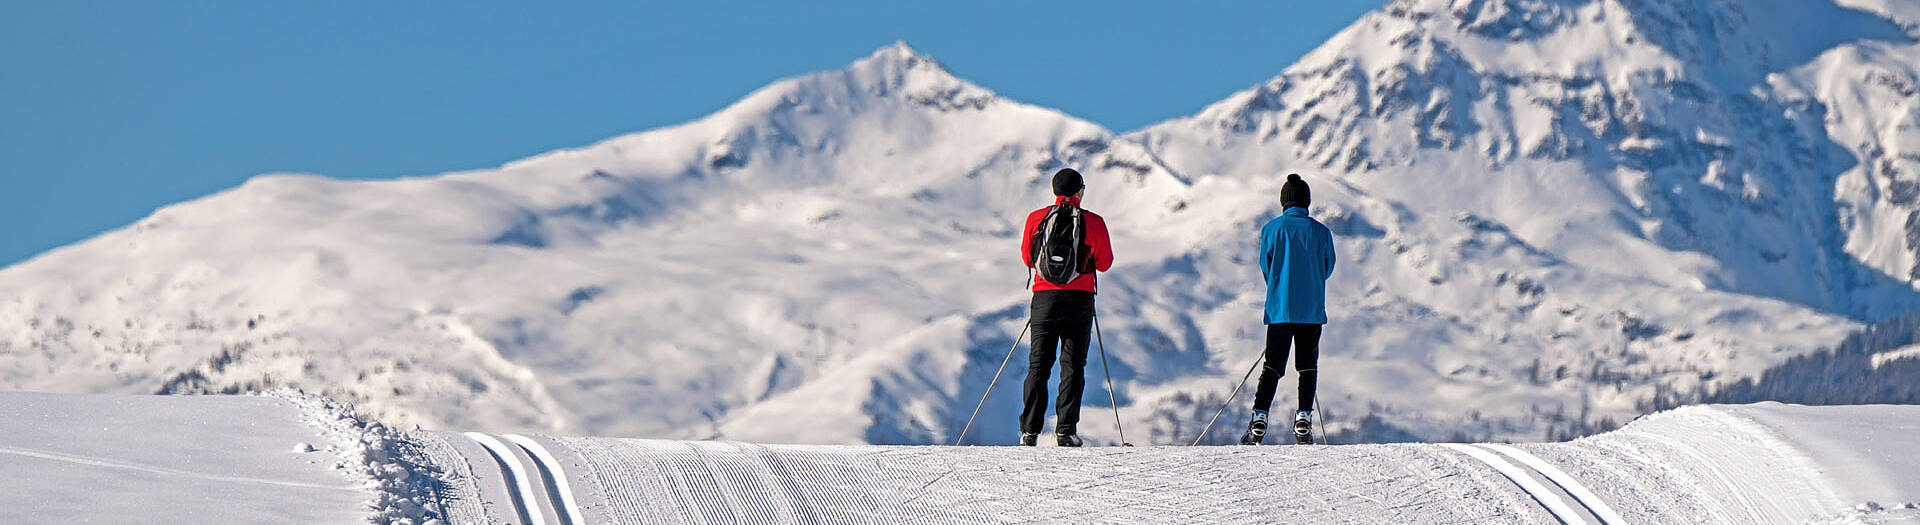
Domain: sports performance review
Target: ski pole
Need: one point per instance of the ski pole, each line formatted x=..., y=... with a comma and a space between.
x=1321, y=414
x=1236, y=392
x=1111, y=400
x=996, y=379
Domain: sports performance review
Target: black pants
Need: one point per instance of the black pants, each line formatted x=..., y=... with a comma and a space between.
x=1305, y=339
x=1062, y=319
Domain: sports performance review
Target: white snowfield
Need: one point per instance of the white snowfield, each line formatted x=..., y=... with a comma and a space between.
x=150, y=459
x=283, y=459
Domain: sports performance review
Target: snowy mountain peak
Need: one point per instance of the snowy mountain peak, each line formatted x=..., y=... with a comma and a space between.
x=808, y=113
x=1659, y=104
x=900, y=71
x=900, y=57
x=895, y=72
x=1513, y=19
x=1736, y=42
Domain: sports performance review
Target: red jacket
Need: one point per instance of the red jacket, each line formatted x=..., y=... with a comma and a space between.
x=1096, y=239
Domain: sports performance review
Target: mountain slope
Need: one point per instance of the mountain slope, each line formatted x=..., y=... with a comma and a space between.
x=1656, y=150
x=1550, y=213
x=642, y=286
x=1664, y=109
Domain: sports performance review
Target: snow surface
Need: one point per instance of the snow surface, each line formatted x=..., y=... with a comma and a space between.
x=279, y=457
x=241, y=459
x=158, y=459
x=1763, y=463
x=1552, y=214
x=1868, y=452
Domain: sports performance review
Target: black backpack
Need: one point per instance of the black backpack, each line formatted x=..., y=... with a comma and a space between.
x=1059, y=245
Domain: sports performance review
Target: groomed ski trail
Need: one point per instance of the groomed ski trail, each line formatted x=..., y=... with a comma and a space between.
x=1695, y=465
x=655, y=481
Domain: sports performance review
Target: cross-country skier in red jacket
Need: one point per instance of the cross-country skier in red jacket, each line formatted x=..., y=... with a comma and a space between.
x=1062, y=317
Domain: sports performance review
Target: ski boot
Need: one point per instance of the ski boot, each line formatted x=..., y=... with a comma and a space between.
x=1029, y=440
x=1303, y=427
x=1067, y=440
x=1256, y=430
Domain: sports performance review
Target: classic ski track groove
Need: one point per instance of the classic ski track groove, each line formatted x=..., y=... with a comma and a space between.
x=1567, y=482
x=1541, y=493
x=559, y=490
x=524, y=503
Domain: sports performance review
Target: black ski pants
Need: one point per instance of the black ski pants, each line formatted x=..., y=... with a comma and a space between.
x=1062, y=319
x=1305, y=339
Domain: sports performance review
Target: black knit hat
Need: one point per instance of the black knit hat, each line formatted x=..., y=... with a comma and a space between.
x=1294, y=193
x=1067, y=182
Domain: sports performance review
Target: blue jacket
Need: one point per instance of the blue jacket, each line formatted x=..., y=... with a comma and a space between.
x=1296, y=256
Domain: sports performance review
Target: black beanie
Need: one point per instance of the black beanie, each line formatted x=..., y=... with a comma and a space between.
x=1067, y=182
x=1294, y=193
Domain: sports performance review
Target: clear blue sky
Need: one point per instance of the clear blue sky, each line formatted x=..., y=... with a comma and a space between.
x=111, y=109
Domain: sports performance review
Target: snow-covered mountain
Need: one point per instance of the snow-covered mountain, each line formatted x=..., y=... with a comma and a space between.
x=1551, y=167
x=1549, y=213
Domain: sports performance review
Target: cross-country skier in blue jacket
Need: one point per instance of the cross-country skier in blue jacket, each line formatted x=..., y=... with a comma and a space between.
x=1296, y=257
